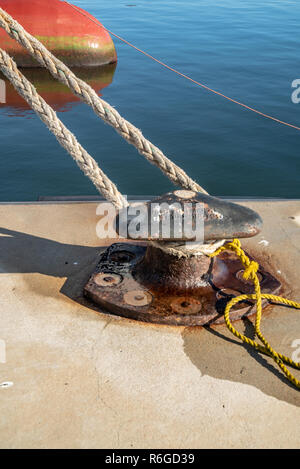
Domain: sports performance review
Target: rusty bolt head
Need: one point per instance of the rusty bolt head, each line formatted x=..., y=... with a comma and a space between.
x=122, y=257
x=186, y=305
x=137, y=298
x=240, y=273
x=107, y=280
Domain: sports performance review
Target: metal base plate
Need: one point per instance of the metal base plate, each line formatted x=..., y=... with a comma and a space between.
x=113, y=287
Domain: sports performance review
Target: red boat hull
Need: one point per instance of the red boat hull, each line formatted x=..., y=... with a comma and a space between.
x=78, y=39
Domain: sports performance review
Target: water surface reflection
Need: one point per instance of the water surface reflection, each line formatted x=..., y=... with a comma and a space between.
x=57, y=95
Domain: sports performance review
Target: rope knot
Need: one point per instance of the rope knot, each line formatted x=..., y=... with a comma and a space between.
x=251, y=270
x=236, y=243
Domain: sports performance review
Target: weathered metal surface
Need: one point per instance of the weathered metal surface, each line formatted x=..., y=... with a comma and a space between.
x=170, y=274
x=220, y=219
x=148, y=285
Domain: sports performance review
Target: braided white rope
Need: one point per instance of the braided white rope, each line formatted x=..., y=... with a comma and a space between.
x=188, y=249
x=86, y=163
x=104, y=110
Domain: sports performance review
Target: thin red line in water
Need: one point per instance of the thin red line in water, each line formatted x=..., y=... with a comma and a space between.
x=186, y=76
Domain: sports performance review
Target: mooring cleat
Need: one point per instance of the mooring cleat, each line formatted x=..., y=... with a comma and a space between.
x=150, y=283
x=219, y=218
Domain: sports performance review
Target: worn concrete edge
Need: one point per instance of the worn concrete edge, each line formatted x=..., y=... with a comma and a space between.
x=88, y=200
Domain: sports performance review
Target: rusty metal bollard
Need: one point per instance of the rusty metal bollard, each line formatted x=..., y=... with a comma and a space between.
x=158, y=283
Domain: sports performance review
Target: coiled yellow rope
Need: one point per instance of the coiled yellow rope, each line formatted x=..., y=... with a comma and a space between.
x=250, y=273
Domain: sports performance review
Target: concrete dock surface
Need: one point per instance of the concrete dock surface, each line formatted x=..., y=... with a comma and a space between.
x=74, y=377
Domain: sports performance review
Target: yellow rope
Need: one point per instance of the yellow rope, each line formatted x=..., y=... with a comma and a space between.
x=250, y=273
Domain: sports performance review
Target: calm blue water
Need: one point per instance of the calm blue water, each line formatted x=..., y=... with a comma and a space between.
x=246, y=49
